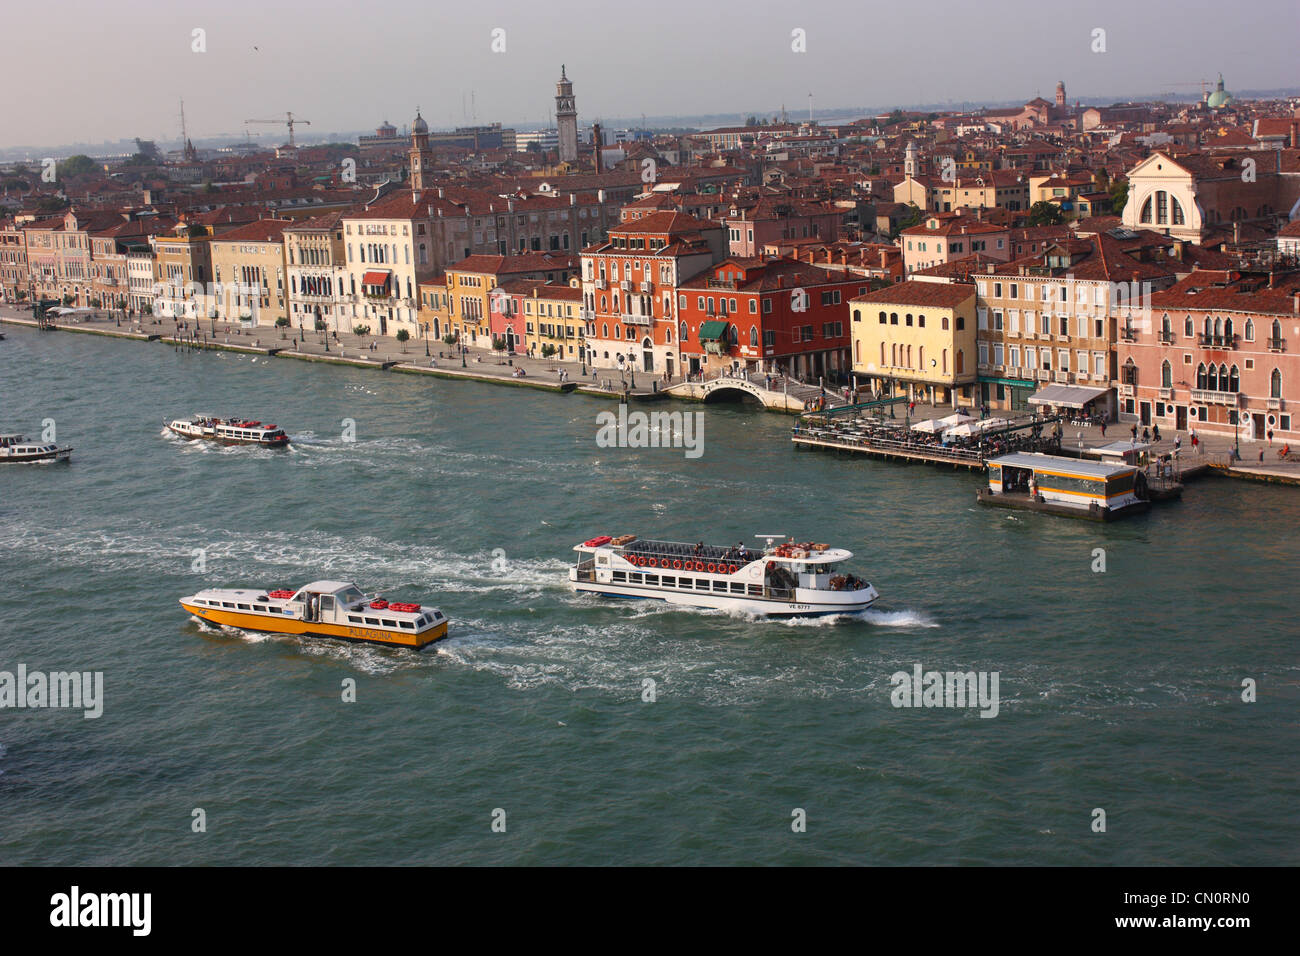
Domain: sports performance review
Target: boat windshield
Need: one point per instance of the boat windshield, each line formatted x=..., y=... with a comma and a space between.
x=819, y=568
x=351, y=596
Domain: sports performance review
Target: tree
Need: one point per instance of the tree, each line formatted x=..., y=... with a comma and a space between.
x=52, y=204
x=498, y=343
x=751, y=121
x=79, y=165
x=361, y=329
x=321, y=325
x=282, y=322
x=1044, y=213
x=914, y=216
x=548, y=350
x=1118, y=195
x=403, y=336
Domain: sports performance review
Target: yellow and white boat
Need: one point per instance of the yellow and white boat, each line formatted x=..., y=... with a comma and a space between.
x=329, y=609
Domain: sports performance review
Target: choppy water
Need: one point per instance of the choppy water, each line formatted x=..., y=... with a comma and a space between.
x=1118, y=690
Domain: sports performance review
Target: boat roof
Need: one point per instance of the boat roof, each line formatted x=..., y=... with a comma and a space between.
x=327, y=587
x=1069, y=466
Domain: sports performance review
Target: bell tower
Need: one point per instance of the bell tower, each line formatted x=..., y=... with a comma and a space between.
x=566, y=118
x=421, y=156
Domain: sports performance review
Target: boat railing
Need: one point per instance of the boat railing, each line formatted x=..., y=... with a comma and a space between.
x=673, y=551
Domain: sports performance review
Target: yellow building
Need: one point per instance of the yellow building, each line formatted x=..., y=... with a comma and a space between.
x=182, y=271
x=551, y=316
x=253, y=257
x=469, y=285
x=917, y=334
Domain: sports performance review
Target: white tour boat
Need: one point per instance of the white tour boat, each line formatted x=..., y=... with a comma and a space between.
x=229, y=431
x=330, y=609
x=786, y=579
x=14, y=447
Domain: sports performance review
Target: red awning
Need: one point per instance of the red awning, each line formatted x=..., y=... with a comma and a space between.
x=375, y=278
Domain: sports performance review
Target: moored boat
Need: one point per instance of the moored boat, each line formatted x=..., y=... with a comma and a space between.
x=323, y=609
x=16, y=448
x=787, y=579
x=229, y=431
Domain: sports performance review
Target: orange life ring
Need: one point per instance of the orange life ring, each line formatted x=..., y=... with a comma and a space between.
x=731, y=569
x=713, y=569
x=677, y=565
x=653, y=563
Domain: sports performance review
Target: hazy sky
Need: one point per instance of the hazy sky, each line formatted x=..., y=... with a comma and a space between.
x=93, y=70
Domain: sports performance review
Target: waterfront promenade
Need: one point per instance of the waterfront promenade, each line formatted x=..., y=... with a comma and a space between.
x=484, y=365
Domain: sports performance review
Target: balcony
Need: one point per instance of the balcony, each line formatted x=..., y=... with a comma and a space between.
x=1029, y=334
x=1126, y=390
x=1165, y=338
x=600, y=283
x=1044, y=374
x=1063, y=378
x=1165, y=394
x=1206, y=397
x=1128, y=335
x=637, y=319
x=626, y=285
x=648, y=288
x=1275, y=404
x=1277, y=345
x=1217, y=341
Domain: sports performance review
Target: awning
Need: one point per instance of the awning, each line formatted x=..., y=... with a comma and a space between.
x=375, y=278
x=1066, y=396
x=712, y=331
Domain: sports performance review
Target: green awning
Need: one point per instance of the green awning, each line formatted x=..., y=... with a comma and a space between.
x=710, y=331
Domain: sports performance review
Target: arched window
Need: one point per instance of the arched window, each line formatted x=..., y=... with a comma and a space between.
x=945, y=323
x=753, y=336
x=1146, y=211
x=1277, y=340
x=883, y=318
x=1202, y=382
x=668, y=335
x=1213, y=378
x=857, y=315
x=909, y=357
x=882, y=354
x=681, y=333
x=945, y=359
x=1188, y=329
x=857, y=351
x=908, y=318
x=604, y=331
x=1218, y=328
x=1250, y=330
x=920, y=357
x=960, y=367
x=1209, y=327
x=1166, y=327
x=1234, y=380
x=1177, y=210
x=1166, y=374
x=920, y=321
x=893, y=355
x=1227, y=328
x=893, y=318
x=1162, y=207
x=1275, y=384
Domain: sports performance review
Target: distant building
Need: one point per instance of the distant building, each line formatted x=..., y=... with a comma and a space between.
x=566, y=118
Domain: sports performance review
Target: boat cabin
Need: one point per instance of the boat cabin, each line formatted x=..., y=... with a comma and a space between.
x=1068, y=483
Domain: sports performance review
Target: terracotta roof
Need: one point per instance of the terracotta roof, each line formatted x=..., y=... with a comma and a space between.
x=264, y=230
x=943, y=295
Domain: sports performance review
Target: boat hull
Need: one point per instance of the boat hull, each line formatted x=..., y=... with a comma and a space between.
x=273, y=624
x=801, y=607
x=222, y=440
x=62, y=454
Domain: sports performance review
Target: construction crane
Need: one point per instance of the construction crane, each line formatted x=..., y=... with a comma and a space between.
x=287, y=121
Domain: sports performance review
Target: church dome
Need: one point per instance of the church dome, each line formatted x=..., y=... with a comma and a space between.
x=419, y=126
x=1220, y=97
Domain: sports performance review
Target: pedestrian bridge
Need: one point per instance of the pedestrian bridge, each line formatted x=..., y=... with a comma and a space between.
x=784, y=396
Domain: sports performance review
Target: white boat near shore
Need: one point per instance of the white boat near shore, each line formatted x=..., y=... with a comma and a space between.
x=229, y=431
x=778, y=580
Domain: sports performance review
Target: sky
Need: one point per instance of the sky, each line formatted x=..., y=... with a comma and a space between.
x=98, y=71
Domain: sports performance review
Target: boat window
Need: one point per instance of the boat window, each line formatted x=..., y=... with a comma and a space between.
x=351, y=596
x=373, y=620
x=388, y=623
x=719, y=585
x=245, y=607
x=408, y=625
x=669, y=582
x=652, y=579
x=354, y=619
x=701, y=584
x=259, y=607
x=685, y=583
x=620, y=575
x=756, y=590
x=227, y=604
x=635, y=578
x=737, y=588
x=300, y=596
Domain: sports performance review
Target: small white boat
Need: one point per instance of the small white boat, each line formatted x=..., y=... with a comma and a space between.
x=329, y=609
x=14, y=447
x=778, y=580
x=229, y=431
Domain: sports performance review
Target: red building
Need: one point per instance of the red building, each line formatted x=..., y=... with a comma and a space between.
x=760, y=315
x=1222, y=356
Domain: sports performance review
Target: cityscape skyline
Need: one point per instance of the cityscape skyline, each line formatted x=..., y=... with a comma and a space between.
x=230, y=72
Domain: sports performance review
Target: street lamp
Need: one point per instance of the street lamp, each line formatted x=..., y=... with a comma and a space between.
x=460, y=338
x=427, y=353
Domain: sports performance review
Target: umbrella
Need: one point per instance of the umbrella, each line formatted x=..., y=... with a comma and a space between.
x=962, y=431
x=930, y=425
x=988, y=423
x=959, y=418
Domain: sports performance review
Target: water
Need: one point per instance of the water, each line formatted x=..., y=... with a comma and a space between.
x=1119, y=690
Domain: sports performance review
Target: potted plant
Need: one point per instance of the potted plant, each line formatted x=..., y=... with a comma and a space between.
x=403, y=337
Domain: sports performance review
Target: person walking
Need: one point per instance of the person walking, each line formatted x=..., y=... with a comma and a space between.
x=1270, y=440
x=1103, y=428
x=1134, y=431
x=1155, y=432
